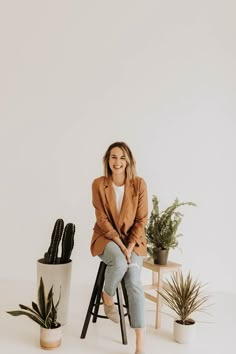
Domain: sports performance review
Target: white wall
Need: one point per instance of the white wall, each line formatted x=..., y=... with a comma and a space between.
x=79, y=75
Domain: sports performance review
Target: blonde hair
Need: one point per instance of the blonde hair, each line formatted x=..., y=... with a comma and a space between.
x=131, y=163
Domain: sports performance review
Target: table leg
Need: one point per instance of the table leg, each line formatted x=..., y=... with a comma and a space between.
x=158, y=303
x=154, y=278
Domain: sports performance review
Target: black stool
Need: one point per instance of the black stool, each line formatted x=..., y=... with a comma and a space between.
x=95, y=303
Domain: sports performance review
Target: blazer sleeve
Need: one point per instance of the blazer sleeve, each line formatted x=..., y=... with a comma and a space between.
x=137, y=233
x=103, y=224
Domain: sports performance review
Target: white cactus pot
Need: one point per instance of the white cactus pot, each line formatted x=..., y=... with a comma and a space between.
x=184, y=333
x=58, y=275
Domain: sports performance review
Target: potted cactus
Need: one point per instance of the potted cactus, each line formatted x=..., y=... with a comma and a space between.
x=56, y=269
x=44, y=313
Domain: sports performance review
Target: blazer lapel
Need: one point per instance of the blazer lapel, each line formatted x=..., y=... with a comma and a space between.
x=128, y=193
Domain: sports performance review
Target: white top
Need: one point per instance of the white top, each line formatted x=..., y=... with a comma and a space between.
x=119, y=192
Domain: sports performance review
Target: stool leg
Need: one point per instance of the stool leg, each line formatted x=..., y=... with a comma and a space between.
x=99, y=291
x=126, y=299
x=121, y=312
x=91, y=304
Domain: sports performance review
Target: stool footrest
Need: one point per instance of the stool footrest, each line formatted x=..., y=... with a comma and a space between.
x=97, y=315
x=103, y=316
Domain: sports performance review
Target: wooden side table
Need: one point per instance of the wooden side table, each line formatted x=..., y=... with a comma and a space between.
x=157, y=282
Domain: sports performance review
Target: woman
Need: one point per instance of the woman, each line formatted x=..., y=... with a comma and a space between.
x=121, y=208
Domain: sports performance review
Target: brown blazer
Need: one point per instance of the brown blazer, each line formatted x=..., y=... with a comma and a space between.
x=129, y=225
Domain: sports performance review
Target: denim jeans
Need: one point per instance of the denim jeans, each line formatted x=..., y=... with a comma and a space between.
x=116, y=269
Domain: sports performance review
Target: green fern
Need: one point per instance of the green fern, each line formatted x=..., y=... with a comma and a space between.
x=161, y=229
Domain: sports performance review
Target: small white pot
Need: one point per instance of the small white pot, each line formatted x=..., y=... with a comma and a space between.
x=50, y=338
x=184, y=333
x=58, y=275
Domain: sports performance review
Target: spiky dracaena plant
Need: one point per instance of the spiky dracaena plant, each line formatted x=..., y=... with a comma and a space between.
x=161, y=229
x=184, y=296
x=44, y=313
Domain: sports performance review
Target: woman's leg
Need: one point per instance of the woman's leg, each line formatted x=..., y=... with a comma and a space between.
x=139, y=332
x=115, y=270
x=136, y=299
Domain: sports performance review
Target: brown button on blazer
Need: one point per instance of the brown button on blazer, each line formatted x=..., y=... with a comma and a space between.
x=129, y=225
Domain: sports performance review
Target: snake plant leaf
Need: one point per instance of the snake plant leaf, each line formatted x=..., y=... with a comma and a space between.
x=48, y=319
x=35, y=307
x=32, y=316
x=23, y=307
x=41, y=299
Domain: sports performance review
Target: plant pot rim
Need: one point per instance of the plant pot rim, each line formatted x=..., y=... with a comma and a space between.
x=189, y=322
x=59, y=326
x=42, y=261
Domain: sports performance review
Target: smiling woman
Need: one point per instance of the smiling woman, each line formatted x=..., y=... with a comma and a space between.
x=120, y=202
x=117, y=155
x=117, y=164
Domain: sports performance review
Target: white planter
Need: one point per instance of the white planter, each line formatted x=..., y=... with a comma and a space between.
x=58, y=275
x=50, y=338
x=184, y=333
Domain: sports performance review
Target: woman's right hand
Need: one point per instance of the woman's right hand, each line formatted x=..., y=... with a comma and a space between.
x=127, y=254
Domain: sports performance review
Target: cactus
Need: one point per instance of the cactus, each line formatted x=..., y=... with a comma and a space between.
x=51, y=256
x=67, y=242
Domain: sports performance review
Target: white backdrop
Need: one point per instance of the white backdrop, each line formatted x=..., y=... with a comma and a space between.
x=79, y=75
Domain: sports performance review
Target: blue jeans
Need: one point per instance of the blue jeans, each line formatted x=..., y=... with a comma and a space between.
x=116, y=269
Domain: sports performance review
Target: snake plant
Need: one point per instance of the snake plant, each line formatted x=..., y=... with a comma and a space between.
x=44, y=312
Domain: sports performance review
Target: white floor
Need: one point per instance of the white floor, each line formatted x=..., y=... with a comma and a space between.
x=21, y=335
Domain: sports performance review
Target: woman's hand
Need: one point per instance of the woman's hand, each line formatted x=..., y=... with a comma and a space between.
x=127, y=254
x=125, y=250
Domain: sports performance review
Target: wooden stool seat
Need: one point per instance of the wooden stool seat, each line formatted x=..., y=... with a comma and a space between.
x=95, y=302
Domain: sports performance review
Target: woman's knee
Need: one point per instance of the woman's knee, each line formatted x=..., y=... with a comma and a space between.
x=119, y=261
x=114, y=256
x=133, y=279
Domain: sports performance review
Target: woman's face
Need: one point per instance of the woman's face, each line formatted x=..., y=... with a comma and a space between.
x=117, y=161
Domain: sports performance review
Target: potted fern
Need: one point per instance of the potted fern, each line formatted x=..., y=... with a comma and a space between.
x=56, y=268
x=44, y=313
x=184, y=296
x=161, y=229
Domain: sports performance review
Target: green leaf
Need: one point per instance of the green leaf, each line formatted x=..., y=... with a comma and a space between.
x=23, y=307
x=35, y=307
x=41, y=299
x=33, y=317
